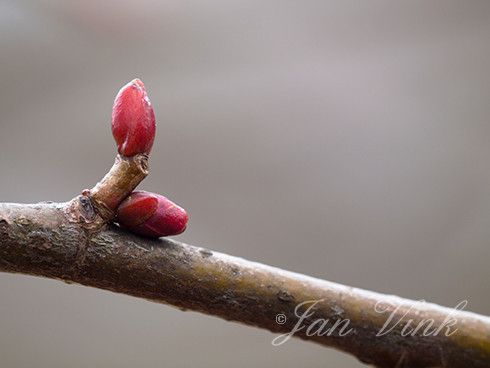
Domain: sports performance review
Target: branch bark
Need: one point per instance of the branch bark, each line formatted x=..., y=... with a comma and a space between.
x=73, y=242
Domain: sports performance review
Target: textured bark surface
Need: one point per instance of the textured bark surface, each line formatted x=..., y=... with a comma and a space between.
x=73, y=242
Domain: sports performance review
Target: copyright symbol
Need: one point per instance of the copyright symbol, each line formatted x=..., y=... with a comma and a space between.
x=280, y=319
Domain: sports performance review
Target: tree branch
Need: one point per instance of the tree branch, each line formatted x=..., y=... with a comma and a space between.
x=77, y=242
x=73, y=242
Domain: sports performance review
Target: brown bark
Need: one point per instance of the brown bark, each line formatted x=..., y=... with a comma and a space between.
x=74, y=243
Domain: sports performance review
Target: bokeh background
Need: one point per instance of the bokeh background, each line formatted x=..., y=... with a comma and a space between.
x=344, y=140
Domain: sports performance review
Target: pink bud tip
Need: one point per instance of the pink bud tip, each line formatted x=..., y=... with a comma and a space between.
x=151, y=215
x=133, y=120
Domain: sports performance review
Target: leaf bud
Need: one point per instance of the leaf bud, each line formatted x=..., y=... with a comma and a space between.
x=133, y=120
x=151, y=214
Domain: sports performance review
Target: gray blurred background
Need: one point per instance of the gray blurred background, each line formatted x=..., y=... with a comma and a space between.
x=344, y=140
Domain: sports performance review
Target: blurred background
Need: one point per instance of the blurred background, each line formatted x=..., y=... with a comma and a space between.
x=343, y=140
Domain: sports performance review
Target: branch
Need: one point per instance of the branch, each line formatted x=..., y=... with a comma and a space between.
x=72, y=242
x=77, y=242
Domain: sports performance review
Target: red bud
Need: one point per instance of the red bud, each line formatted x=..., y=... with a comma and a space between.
x=151, y=215
x=133, y=120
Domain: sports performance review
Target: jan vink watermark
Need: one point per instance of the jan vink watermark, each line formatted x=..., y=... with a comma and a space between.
x=399, y=319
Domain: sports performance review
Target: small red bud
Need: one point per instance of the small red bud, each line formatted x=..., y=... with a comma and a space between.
x=133, y=120
x=151, y=215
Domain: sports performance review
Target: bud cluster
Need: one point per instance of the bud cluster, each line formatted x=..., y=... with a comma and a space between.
x=133, y=128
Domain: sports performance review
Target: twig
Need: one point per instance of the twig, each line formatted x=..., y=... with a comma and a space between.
x=77, y=242
x=119, y=182
x=73, y=243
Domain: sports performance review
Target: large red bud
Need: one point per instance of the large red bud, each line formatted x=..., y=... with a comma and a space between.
x=133, y=120
x=151, y=214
